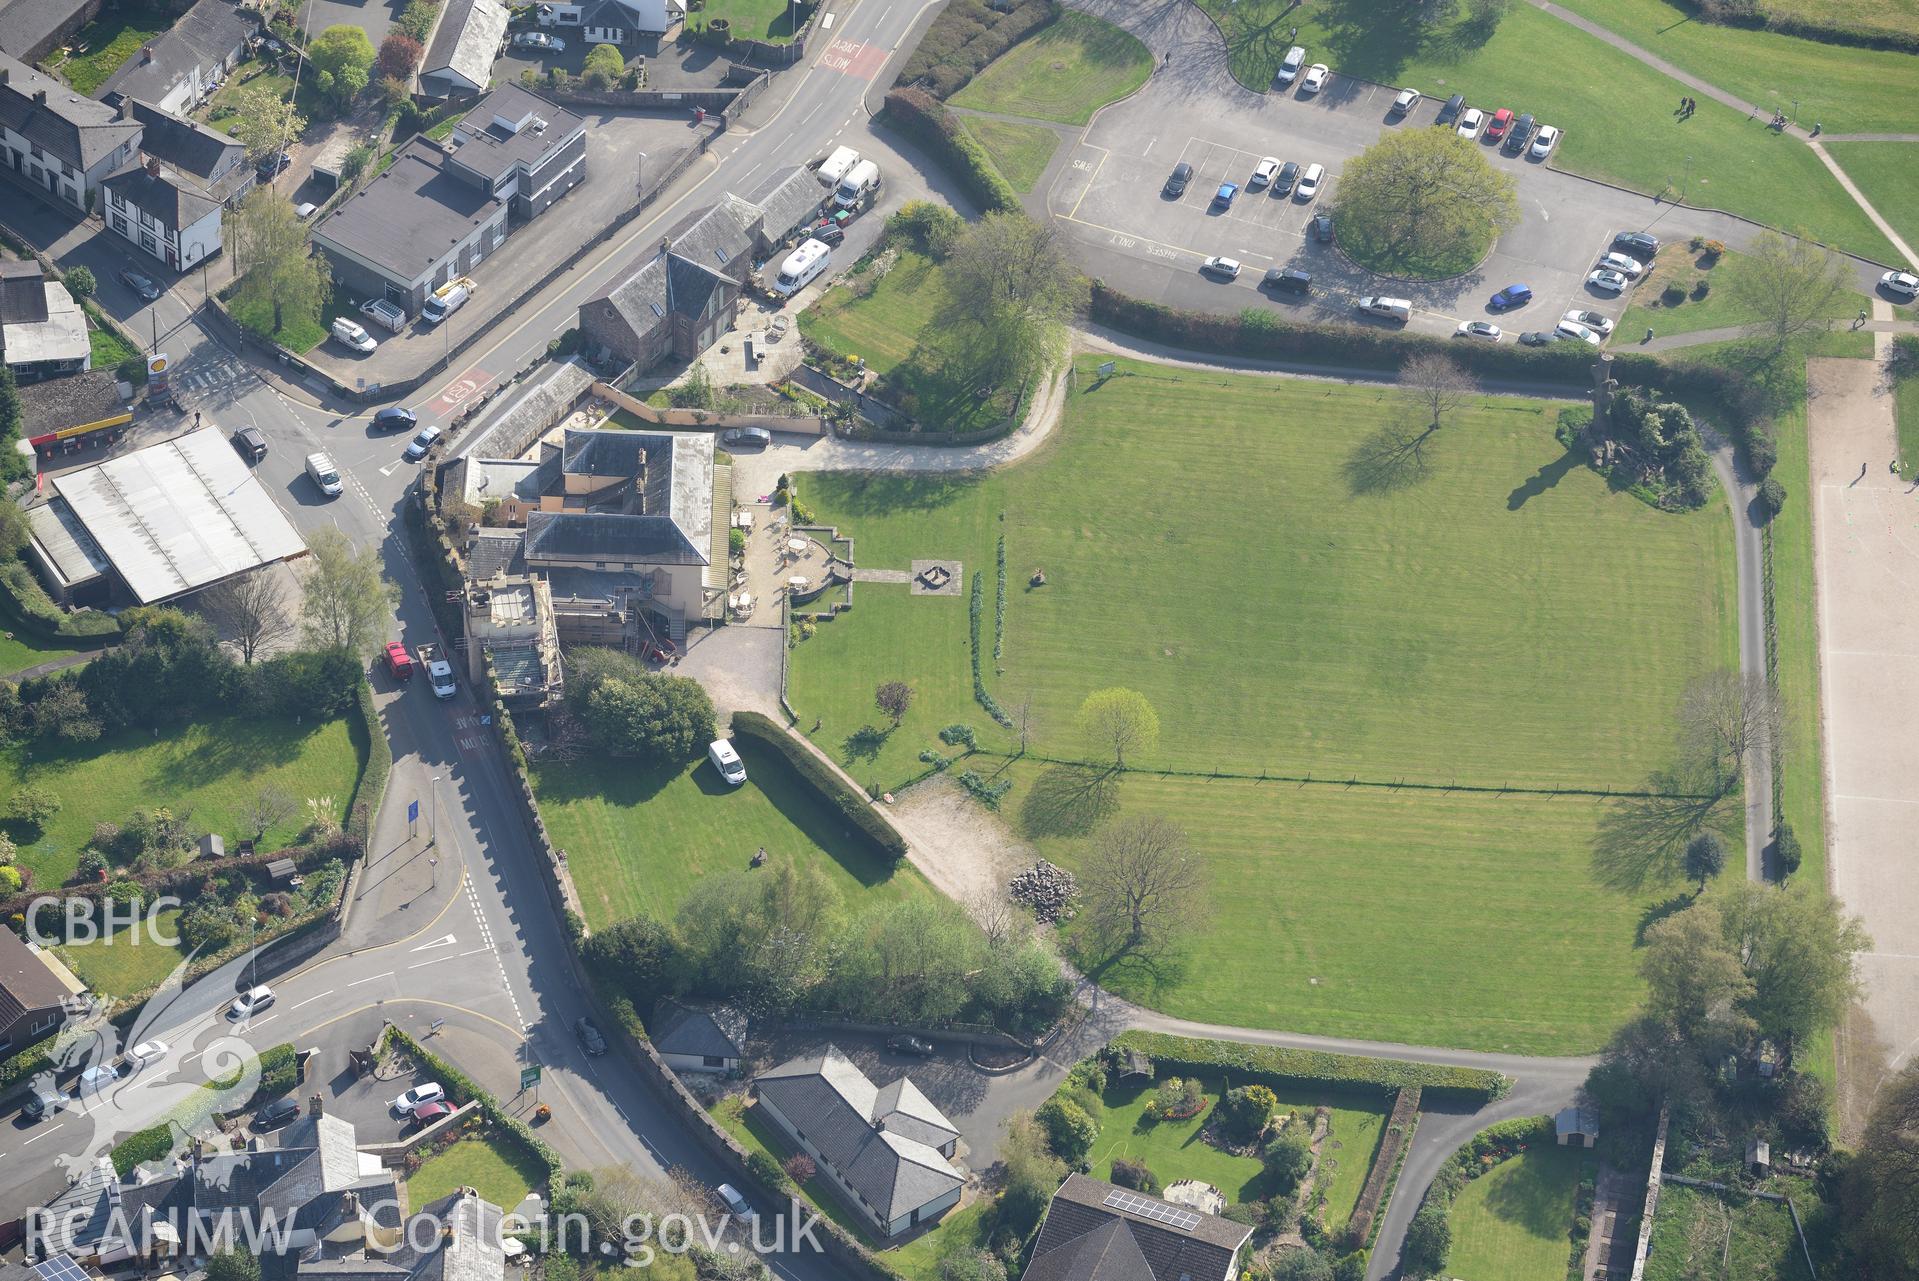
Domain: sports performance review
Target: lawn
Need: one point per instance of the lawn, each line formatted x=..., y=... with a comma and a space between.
x=1696, y=1225
x=1065, y=72
x=296, y=334
x=1019, y=151
x=21, y=650
x=774, y=20
x=1535, y=62
x=109, y=350
x=1888, y=174
x=638, y=840
x=497, y=1172
x=1889, y=17
x=211, y=769
x=131, y=964
x=1719, y=309
x=893, y=328
x=1906, y=408
x=1514, y=1222
x=110, y=40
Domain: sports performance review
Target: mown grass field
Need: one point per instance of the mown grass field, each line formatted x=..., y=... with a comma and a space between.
x=211, y=769
x=774, y=20
x=1535, y=62
x=497, y=1172
x=1514, y=1222
x=1019, y=151
x=638, y=840
x=1719, y=309
x=1888, y=174
x=19, y=651
x=1892, y=17
x=1066, y=71
x=128, y=961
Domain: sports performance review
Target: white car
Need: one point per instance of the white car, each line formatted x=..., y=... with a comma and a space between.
x=1309, y=181
x=539, y=40
x=430, y=1092
x=1225, y=268
x=1265, y=171
x=1544, y=141
x=147, y=1052
x=1573, y=329
x=1627, y=267
x=1610, y=281
x=1315, y=78
x=736, y=1203
x=1903, y=283
x=1478, y=329
x=1601, y=325
x=1471, y=121
x=1406, y=101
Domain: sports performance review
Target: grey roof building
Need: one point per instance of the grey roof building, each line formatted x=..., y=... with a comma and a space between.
x=172, y=203
x=459, y=59
x=181, y=66
x=213, y=162
x=694, y=1038
x=886, y=1149
x=1097, y=1232
x=787, y=200
x=35, y=993
x=54, y=140
x=43, y=332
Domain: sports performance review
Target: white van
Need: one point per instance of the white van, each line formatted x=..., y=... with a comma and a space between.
x=861, y=179
x=801, y=268
x=1400, y=309
x=324, y=474
x=837, y=165
x=1289, y=68
x=726, y=761
x=351, y=335
x=445, y=300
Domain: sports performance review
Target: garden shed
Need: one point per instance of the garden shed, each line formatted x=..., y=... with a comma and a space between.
x=1134, y=1065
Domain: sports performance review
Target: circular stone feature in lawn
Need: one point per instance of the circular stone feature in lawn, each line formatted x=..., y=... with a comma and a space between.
x=1201, y=1196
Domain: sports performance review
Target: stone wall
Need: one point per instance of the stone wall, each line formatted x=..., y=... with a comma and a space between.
x=809, y=424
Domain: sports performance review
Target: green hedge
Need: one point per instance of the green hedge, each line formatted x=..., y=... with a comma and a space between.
x=371, y=789
x=279, y=1070
x=830, y=786
x=1278, y=1066
x=461, y=1089
x=966, y=36
x=925, y=119
x=27, y=605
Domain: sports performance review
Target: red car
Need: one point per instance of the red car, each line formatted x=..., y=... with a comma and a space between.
x=1502, y=121
x=427, y=1113
x=398, y=661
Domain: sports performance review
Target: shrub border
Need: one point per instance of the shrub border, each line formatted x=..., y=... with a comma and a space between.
x=462, y=1088
x=1283, y=1067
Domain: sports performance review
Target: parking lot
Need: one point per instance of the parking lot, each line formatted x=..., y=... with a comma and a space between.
x=1108, y=194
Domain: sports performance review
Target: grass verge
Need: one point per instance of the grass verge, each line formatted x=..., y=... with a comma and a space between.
x=1718, y=308
x=1019, y=151
x=1065, y=72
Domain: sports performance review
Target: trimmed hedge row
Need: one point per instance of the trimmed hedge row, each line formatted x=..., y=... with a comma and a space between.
x=1279, y=1066
x=31, y=609
x=461, y=1088
x=1754, y=16
x=966, y=36
x=1384, y=1174
x=371, y=789
x=830, y=787
x=924, y=118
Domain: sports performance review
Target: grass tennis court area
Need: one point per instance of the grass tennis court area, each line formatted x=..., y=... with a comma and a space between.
x=1065, y=71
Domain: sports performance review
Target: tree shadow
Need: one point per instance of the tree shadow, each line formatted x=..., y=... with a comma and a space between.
x=865, y=743
x=1658, y=912
x=1641, y=840
x=1068, y=800
x=1542, y=480
x=1395, y=457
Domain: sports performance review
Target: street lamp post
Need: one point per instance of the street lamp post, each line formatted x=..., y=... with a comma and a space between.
x=433, y=819
x=434, y=865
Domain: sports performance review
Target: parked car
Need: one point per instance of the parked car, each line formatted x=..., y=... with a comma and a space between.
x=394, y=418
x=736, y=1204
x=147, y=1052
x=1176, y=181
x=1264, y=172
x=1598, y=323
x=1405, y=101
x=1516, y=137
x=1323, y=227
x=140, y=284
x=590, y=1039
x=275, y=1114
x=426, y=1092
x=828, y=233
x=1223, y=198
x=1450, y=111
x=1534, y=338
x=46, y=1103
x=1496, y=127
x=305, y=210
x=1224, y=268
x=1573, y=329
x=1471, y=122
x=273, y=166
x=1903, y=283
x=417, y=447
x=1637, y=243
x=1287, y=280
x=1288, y=175
x=1511, y=296
x=250, y=1002
x=758, y=437
x=539, y=40
x=1309, y=183
x=1630, y=268
x=1289, y=65
x=1479, y=329
x=251, y=442
x=427, y=1113
x=1545, y=141
x=1610, y=281
x=399, y=663
x=1315, y=78
x=904, y=1043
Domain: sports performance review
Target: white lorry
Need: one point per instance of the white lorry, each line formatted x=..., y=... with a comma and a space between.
x=439, y=672
x=860, y=181
x=445, y=300
x=835, y=166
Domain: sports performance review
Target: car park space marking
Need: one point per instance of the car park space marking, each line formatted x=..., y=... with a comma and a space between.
x=1093, y=180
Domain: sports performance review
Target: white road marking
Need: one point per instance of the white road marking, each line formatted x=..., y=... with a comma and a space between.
x=371, y=979
x=310, y=1000
x=43, y=1134
x=439, y=942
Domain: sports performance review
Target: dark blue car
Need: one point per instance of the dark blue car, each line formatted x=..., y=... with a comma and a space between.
x=1511, y=296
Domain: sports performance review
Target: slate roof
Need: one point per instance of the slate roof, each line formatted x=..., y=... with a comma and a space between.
x=718, y=1031
x=662, y=514
x=855, y=1127
x=409, y=217
x=185, y=145
x=173, y=203
x=78, y=130
x=716, y=236
x=22, y=300
x=470, y=1251
x=83, y=1211
x=204, y=36
x=495, y=551
x=1084, y=1239
x=25, y=25
x=25, y=981
x=788, y=198
x=467, y=40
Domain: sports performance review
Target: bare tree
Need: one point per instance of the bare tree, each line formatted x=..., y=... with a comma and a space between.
x=1023, y=720
x=1726, y=715
x=1434, y=386
x=1790, y=286
x=269, y=808
x=1142, y=885
x=1117, y=721
x=251, y=610
x=894, y=698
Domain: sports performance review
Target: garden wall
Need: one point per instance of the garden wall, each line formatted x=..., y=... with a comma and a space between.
x=1652, y=1195
x=1385, y=1171
x=707, y=420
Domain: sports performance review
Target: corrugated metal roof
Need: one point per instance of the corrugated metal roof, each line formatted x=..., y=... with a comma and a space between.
x=179, y=515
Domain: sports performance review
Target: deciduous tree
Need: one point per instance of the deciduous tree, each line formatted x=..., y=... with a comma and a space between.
x=1141, y=886
x=1434, y=387
x=263, y=121
x=399, y=55
x=1011, y=292
x=1725, y=716
x=1705, y=857
x=1790, y=286
x=1418, y=194
x=346, y=600
x=894, y=698
x=1879, y=1194
x=280, y=275
x=250, y=610
x=1118, y=721
x=1798, y=948
x=1694, y=980
x=604, y=65
x=342, y=59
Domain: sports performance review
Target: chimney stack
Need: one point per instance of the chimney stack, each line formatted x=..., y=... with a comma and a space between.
x=40, y=97
x=126, y=107
x=146, y=54
x=5, y=75
x=153, y=166
x=316, y=1106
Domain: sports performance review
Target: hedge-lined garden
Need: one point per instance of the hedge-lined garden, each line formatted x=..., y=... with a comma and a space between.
x=834, y=790
x=1281, y=1067
x=966, y=36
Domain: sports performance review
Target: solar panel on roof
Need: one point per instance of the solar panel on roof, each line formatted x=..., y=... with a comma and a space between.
x=1149, y=1208
x=60, y=1267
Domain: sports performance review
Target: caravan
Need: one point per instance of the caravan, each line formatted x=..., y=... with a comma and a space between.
x=801, y=268
x=860, y=181
x=836, y=166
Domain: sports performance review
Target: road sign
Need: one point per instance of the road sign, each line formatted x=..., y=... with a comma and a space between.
x=529, y=1076
x=413, y=811
x=1106, y=370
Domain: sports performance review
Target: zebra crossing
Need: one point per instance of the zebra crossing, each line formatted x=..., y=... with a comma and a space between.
x=218, y=373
